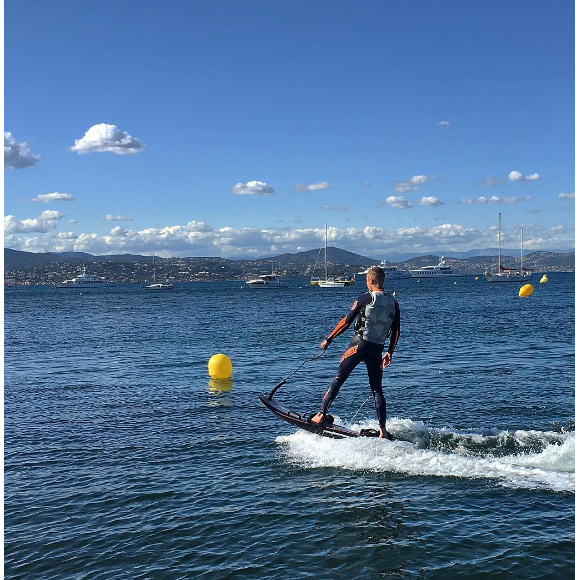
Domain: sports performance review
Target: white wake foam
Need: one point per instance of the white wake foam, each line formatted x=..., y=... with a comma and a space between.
x=541, y=459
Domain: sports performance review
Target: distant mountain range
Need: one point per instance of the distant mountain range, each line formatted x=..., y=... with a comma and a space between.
x=514, y=253
x=16, y=260
x=345, y=257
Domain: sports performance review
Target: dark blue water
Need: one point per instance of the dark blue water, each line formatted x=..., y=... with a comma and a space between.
x=123, y=460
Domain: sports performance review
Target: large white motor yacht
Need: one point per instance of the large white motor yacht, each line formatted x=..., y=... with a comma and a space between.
x=439, y=271
x=394, y=273
x=83, y=281
x=391, y=272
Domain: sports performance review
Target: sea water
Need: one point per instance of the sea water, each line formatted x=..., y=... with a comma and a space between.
x=124, y=460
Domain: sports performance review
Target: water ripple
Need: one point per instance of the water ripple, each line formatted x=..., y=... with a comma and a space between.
x=122, y=460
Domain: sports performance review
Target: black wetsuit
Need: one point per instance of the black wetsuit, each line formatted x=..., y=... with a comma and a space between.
x=360, y=350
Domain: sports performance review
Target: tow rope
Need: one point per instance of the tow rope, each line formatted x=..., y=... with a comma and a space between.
x=283, y=382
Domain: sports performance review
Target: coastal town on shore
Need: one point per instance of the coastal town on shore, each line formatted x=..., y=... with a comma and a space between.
x=137, y=269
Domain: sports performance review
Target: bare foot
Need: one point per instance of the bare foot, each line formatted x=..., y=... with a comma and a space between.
x=317, y=419
x=384, y=434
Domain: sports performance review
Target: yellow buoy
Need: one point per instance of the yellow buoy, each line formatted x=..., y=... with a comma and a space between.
x=526, y=290
x=477, y=277
x=544, y=279
x=220, y=367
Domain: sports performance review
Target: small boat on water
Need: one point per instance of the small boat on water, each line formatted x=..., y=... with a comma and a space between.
x=339, y=282
x=330, y=281
x=266, y=281
x=157, y=285
x=84, y=281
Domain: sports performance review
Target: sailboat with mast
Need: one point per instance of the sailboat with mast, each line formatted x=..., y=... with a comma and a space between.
x=329, y=281
x=157, y=285
x=504, y=274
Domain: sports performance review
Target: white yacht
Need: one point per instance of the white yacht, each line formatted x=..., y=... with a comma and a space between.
x=340, y=282
x=84, y=281
x=439, y=271
x=391, y=272
x=394, y=273
x=266, y=281
x=158, y=286
x=504, y=274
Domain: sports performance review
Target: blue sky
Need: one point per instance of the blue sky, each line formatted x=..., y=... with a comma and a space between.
x=241, y=128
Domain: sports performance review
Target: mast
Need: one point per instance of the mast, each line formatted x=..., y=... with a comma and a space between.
x=522, y=251
x=499, y=244
x=325, y=250
x=154, y=279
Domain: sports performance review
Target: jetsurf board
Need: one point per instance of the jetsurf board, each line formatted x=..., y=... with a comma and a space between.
x=302, y=421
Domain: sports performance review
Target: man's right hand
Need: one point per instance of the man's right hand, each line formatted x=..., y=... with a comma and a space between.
x=324, y=344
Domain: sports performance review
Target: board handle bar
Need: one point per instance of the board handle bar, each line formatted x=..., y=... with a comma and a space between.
x=271, y=393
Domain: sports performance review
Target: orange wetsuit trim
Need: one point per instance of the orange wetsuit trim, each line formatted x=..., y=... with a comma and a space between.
x=338, y=329
x=349, y=352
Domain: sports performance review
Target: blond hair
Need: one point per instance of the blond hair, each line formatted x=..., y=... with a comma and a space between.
x=377, y=276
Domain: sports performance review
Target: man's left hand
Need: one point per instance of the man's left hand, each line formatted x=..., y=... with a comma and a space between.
x=386, y=360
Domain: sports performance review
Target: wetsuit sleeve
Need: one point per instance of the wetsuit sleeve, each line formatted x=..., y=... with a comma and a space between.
x=347, y=320
x=395, y=329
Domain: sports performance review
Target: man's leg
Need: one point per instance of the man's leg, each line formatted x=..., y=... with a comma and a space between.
x=376, y=383
x=348, y=362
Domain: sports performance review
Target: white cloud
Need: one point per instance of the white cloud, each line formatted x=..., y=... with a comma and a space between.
x=115, y=218
x=252, y=188
x=494, y=199
x=17, y=154
x=398, y=201
x=430, y=201
x=335, y=208
x=46, y=221
x=105, y=138
x=567, y=196
x=312, y=186
x=444, y=123
x=491, y=182
x=54, y=196
x=411, y=184
x=517, y=176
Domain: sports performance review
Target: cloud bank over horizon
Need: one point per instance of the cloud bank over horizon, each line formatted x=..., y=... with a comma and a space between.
x=200, y=239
